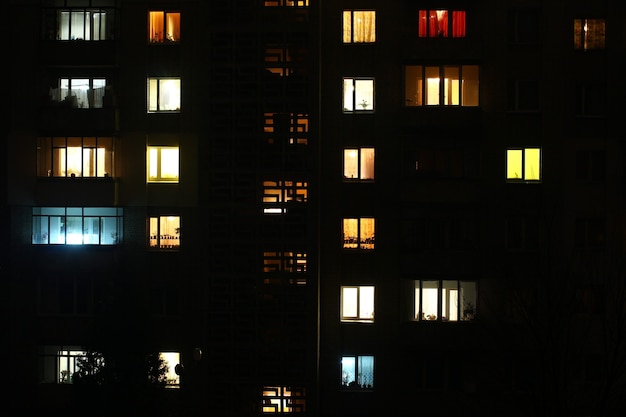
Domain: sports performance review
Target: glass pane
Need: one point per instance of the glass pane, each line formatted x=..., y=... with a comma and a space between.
x=366, y=303
x=413, y=81
x=350, y=233
x=347, y=27
x=429, y=300
x=171, y=359
x=169, y=163
x=364, y=26
x=156, y=26
x=366, y=371
x=169, y=95
x=153, y=163
x=173, y=27
x=348, y=94
x=154, y=232
x=469, y=87
x=350, y=163
x=349, y=302
x=451, y=86
x=40, y=230
x=74, y=230
x=91, y=234
x=109, y=231
x=364, y=94
x=152, y=95
x=468, y=300
x=170, y=231
x=532, y=164
x=57, y=230
x=367, y=163
x=367, y=233
x=449, y=301
x=348, y=370
x=514, y=164
x=432, y=86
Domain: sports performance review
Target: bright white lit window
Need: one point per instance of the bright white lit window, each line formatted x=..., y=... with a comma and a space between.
x=447, y=85
x=163, y=26
x=358, y=164
x=77, y=225
x=446, y=300
x=163, y=164
x=357, y=303
x=163, y=95
x=359, y=26
x=357, y=372
x=164, y=232
x=170, y=360
x=279, y=400
x=358, y=94
x=523, y=164
x=92, y=24
x=79, y=93
x=358, y=233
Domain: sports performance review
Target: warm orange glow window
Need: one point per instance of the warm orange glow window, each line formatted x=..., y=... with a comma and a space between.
x=358, y=164
x=589, y=34
x=283, y=399
x=447, y=85
x=358, y=233
x=163, y=26
x=359, y=26
x=441, y=23
x=164, y=232
x=292, y=128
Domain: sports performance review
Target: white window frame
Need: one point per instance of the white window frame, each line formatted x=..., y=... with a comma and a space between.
x=160, y=235
x=446, y=300
x=157, y=166
x=352, y=375
x=358, y=94
x=358, y=164
x=164, y=94
x=358, y=303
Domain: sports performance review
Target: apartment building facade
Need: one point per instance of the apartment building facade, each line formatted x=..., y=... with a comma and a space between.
x=362, y=208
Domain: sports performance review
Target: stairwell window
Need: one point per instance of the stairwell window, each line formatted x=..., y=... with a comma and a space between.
x=358, y=164
x=441, y=85
x=358, y=233
x=163, y=164
x=163, y=94
x=358, y=95
x=523, y=165
x=163, y=26
x=164, y=232
x=277, y=195
x=357, y=304
x=359, y=26
x=283, y=399
x=441, y=23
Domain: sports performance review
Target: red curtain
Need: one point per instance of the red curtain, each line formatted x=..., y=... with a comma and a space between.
x=458, y=24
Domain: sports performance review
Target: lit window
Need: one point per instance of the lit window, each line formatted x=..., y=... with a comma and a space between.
x=447, y=85
x=163, y=94
x=357, y=372
x=85, y=22
x=357, y=303
x=359, y=26
x=75, y=156
x=277, y=193
x=278, y=400
x=170, y=360
x=286, y=3
x=441, y=23
x=60, y=364
x=523, y=164
x=163, y=26
x=77, y=225
x=292, y=128
x=284, y=60
x=358, y=94
x=447, y=300
x=358, y=164
x=358, y=233
x=165, y=232
x=163, y=164
x=589, y=34
x=79, y=93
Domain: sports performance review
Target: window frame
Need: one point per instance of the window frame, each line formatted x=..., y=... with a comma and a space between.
x=62, y=217
x=362, y=297
x=523, y=165
x=349, y=36
x=164, y=241
x=172, y=35
x=154, y=94
x=353, y=83
x=53, y=28
x=466, y=311
x=53, y=155
x=361, y=241
x=283, y=399
x=416, y=90
x=582, y=37
x=354, y=381
x=362, y=165
x=424, y=28
x=159, y=178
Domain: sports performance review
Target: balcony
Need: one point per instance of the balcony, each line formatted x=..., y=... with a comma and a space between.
x=56, y=116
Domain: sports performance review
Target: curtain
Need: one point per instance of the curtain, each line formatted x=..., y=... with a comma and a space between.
x=155, y=28
x=458, y=24
x=364, y=26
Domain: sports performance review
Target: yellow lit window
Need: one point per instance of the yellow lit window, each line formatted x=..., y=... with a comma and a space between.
x=523, y=164
x=163, y=26
x=163, y=164
x=359, y=26
x=448, y=85
x=358, y=233
x=170, y=360
x=446, y=300
x=357, y=303
x=164, y=232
